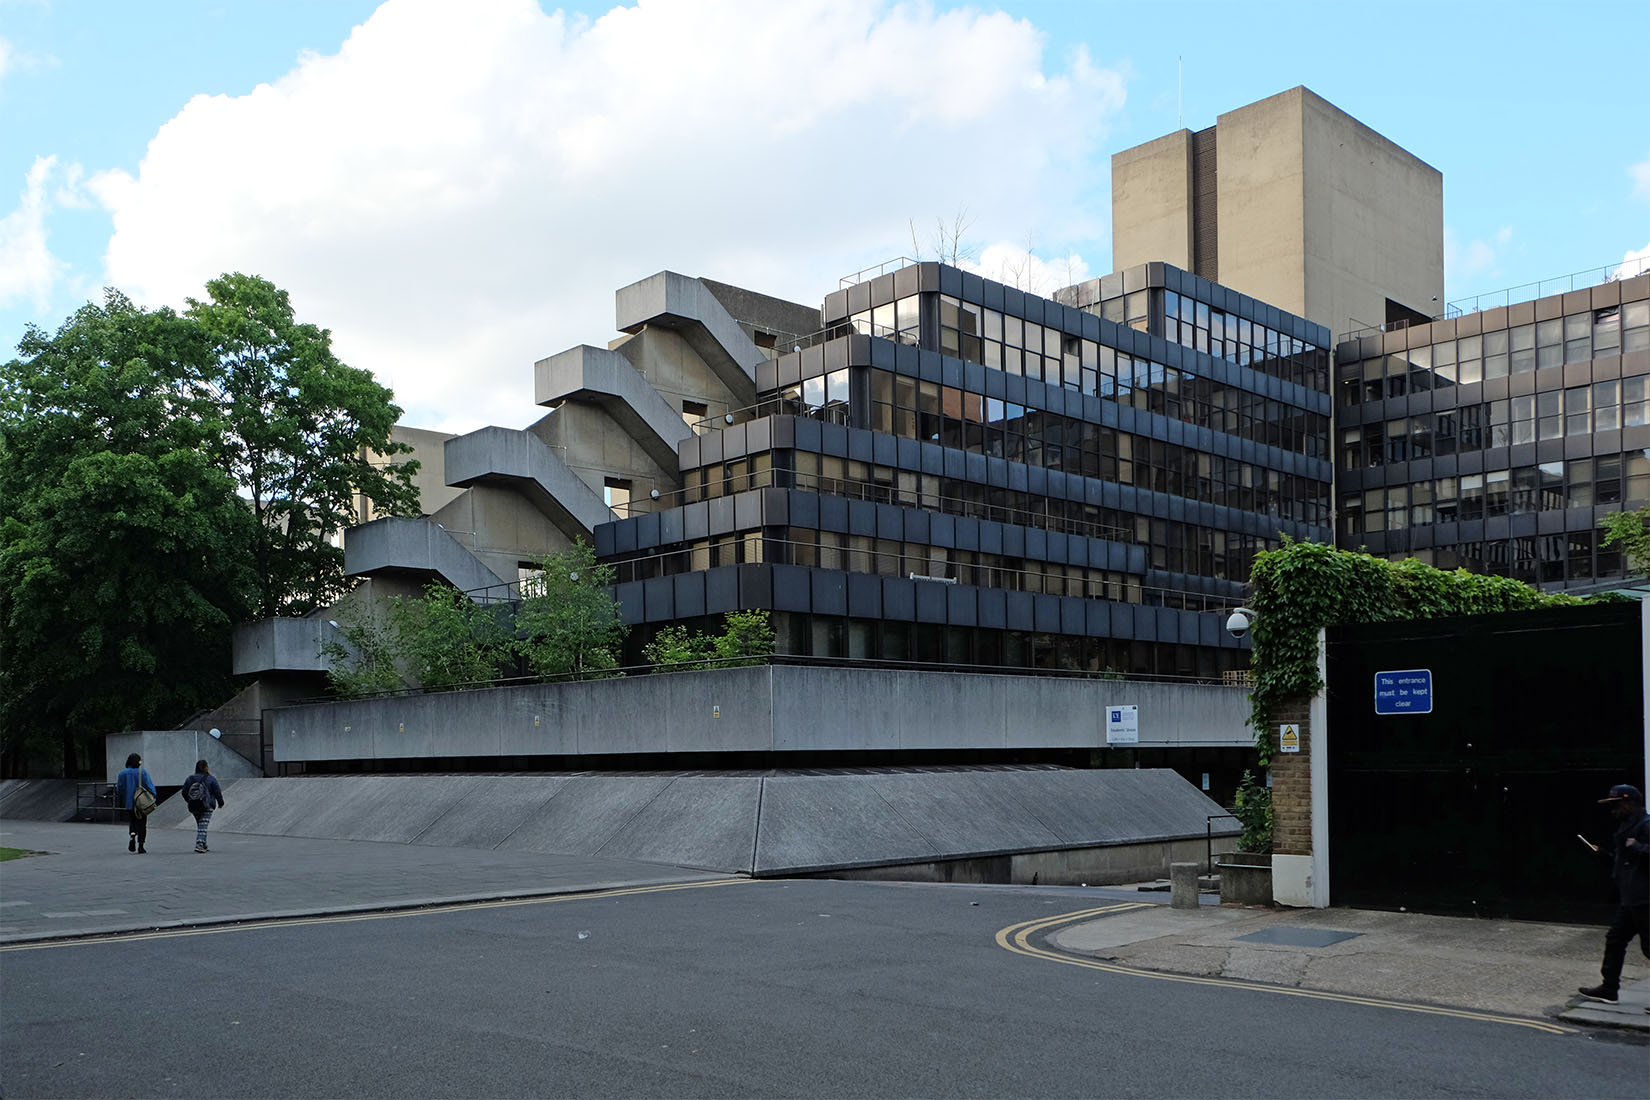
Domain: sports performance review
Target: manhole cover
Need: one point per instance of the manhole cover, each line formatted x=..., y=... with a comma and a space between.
x=1286, y=936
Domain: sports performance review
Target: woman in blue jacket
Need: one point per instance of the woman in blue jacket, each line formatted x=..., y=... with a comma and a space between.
x=131, y=777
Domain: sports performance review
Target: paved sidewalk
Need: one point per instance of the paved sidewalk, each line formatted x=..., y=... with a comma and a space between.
x=1504, y=967
x=90, y=883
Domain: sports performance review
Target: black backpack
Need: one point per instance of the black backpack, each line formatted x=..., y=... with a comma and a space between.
x=196, y=793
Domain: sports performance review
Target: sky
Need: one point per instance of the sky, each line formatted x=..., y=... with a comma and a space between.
x=456, y=190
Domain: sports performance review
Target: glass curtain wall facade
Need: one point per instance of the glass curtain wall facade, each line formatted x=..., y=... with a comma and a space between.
x=956, y=471
x=1497, y=441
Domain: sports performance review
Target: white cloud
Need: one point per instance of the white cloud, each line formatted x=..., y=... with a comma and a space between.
x=1477, y=259
x=28, y=269
x=460, y=189
x=1641, y=178
x=1635, y=262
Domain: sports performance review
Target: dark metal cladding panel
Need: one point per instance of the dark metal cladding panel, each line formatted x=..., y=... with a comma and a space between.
x=808, y=435
x=604, y=539
x=885, y=450
x=759, y=435
x=917, y=525
x=864, y=596
x=747, y=510
x=899, y=599
x=690, y=594
x=955, y=466
x=830, y=591
x=834, y=440
x=1122, y=620
x=931, y=601
x=659, y=599
x=833, y=514
x=722, y=590
x=776, y=507
x=942, y=529
x=670, y=527
x=1098, y=614
x=756, y=586
x=696, y=521
x=647, y=530
x=860, y=447
x=991, y=537
x=784, y=431
x=933, y=459
x=1036, y=544
x=1046, y=613
x=968, y=533
x=721, y=516
x=910, y=454
x=804, y=509
x=993, y=604
x=890, y=522
x=792, y=589
x=1014, y=540
x=624, y=537
x=1168, y=624
x=1021, y=612
x=1073, y=619
x=862, y=518
x=1145, y=624
x=631, y=600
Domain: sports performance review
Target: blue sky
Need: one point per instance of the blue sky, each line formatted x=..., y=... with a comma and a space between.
x=458, y=191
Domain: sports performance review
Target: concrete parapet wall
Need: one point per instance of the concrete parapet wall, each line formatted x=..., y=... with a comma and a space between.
x=760, y=709
x=169, y=755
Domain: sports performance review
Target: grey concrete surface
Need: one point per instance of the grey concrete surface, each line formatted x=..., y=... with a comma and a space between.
x=772, y=708
x=289, y=645
x=37, y=799
x=608, y=379
x=87, y=883
x=740, y=824
x=170, y=755
x=415, y=546
x=1521, y=968
x=684, y=303
x=521, y=460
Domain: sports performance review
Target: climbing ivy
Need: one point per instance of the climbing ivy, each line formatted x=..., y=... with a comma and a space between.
x=1304, y=586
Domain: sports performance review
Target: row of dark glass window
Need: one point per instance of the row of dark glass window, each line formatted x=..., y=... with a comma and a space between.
x=1571, y=557
x=1196, y=325
x=1139, y=461
x=1606, y=480
x=1551, y=414
x=961, y=646
x=1576, y=338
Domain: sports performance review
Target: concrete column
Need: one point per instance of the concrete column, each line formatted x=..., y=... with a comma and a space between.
x=1183, y=885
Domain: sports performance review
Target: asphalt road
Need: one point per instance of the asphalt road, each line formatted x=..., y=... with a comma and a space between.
x=795, y=988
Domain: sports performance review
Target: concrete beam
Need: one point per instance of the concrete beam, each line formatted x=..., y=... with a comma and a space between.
x=170, y=755
x=416, y=546
x=279, y=645
x=521, y=460
x=607, y=379
x=683, y=303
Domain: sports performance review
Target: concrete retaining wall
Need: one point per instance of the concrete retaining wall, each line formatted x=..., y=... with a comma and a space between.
x=777, y=708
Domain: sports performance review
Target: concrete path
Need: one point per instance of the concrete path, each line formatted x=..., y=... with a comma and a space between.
x=1515, y=968
x=88, y=883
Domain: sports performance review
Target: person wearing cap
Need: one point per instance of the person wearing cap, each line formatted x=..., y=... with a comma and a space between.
x=1630, y=866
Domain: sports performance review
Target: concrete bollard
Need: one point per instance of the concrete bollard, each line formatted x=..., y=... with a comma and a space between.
x=1183, y=885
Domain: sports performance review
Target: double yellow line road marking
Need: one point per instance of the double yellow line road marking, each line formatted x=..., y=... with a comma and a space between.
x=1018, y=939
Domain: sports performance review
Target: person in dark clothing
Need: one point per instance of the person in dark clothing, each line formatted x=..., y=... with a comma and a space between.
x=202, y=793
x=1630, y=866
x=131, y=778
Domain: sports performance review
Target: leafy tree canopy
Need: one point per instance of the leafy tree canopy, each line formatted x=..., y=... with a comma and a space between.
x=163, y=477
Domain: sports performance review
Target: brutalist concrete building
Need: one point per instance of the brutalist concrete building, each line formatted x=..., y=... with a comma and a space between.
x=955, y=471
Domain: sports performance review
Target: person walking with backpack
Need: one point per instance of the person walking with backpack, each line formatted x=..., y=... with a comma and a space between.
x=202, y=793
x=132, y=779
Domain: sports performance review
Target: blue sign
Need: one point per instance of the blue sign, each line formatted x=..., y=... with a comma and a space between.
x=1408, y=691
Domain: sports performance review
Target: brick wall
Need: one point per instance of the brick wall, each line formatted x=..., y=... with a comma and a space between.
x=1292, y=783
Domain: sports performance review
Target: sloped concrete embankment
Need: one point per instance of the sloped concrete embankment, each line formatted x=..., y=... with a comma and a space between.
x=985, y=825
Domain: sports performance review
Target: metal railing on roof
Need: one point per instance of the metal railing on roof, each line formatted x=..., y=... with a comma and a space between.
x=866, y=274
x=1525, y=292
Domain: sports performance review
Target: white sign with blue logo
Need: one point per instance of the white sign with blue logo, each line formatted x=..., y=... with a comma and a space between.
x=1408, y=691
x=1123, y=725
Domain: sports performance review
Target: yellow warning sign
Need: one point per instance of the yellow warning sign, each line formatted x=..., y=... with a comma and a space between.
x=1289, y=738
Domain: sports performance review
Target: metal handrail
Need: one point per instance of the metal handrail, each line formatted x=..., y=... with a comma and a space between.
x=1543, y=288
x=866, y=274
x=1209, y=838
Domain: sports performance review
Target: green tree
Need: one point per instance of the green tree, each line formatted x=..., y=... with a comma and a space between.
x=746, y=639
x=680, y=648
x=569, y=623
x=362, y=653
x=122, y=542
x=1631, y=530
x=300, y=432
x=446, y=639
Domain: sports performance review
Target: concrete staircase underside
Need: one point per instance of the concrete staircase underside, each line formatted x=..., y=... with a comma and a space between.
x=769, y=824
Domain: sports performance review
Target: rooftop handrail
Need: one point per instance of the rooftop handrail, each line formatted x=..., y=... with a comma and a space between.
x=1524, y=292
x=866, y=274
